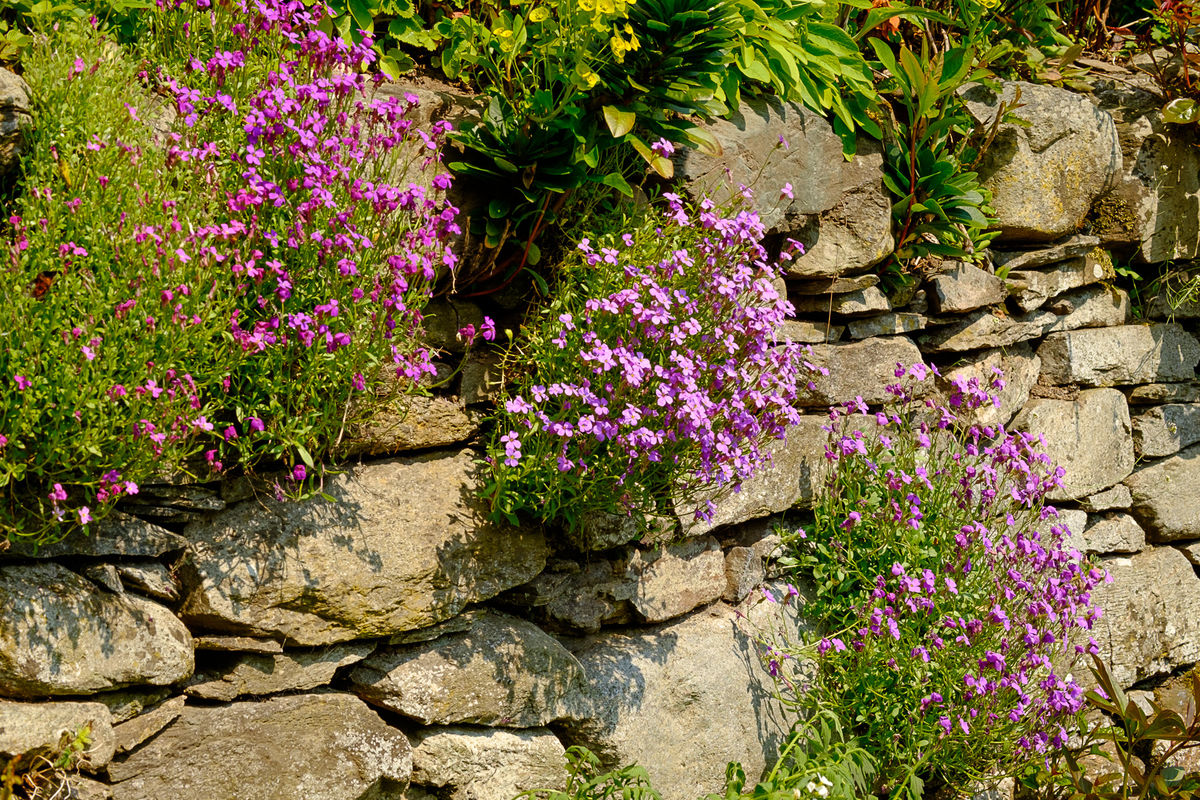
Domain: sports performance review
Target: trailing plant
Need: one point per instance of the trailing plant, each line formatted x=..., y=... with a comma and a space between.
x=948, y=606
x=651, y=383
x=217, y=295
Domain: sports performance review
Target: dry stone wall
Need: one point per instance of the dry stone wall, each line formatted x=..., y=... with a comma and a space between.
x=395, y=643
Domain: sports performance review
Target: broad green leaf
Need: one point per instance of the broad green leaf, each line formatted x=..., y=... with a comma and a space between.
x=1181, y=111
x=705, y=141
x=619, y=121
x=616, y=181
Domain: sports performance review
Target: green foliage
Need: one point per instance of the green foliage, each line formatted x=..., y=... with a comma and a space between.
x=941, y=208
x=19, y=19
x=587, y=781
x=819, y=761
x=396, y=26
x=1131, y=756
x=792, y=49
x=580, y=91
x=928, y=566
x=45, y=773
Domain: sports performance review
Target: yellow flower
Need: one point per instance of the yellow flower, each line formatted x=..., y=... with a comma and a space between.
x=605, y=6
x=587, y=5
x=538, y=14
x=619, y=48
x=590, y=78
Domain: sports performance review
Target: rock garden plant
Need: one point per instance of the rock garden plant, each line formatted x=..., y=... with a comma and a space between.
x=652, y=382
x=206, y=261
x=950, y=610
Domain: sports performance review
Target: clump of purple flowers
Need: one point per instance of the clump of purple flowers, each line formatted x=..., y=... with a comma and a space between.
x=950, y=608
x=652, y=383
x=216, y=282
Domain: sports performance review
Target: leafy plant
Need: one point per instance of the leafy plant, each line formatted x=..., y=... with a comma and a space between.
x=587, y=781
x=819, y=761
x=650, y=384
x=942, y=209
x=45, y=773
x=1132, y=756
x=946, y=600
x=20, y=19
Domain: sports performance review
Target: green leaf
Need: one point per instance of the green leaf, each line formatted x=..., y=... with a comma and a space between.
x=616, y=181
x=619, y=121
x=363, y=14
x=1181, y=111
x=305, y=456
x=705, y=141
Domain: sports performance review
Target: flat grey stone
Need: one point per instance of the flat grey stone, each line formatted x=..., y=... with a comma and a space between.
x=151, y=578
x=852, y=304
x=62, y=635
x=1089, y=437
x=32, y=729
x=230, y=675
x=744, y=572
x=793, y=478
x=490, y=764
x=411, y=423
x=125, y=704
x=238, y=644
x=873, y=367
x=1090, y=307
x=1151, y=622
x=677, y=578
x=1117, y=497
x=682, y=699
x=406, y=543
x=576, y=597
x=314, y=746
x=1044, y=177
x=1073, y=247
x=1167, y=429
x=965, y=287
x=806, y=332
x=1164, y=496
x=1120, y=355
x=838, y=209
x=1031, y=289
x=886, y=325
x=115, y=535
x=1153, y=393
x=135, y=732
x=835, y=285
x=1113, y=533
x=501, y=672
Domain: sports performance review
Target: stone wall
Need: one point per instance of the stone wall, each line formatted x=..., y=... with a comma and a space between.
x=395, y=643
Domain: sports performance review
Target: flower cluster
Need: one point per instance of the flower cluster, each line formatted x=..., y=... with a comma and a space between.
x=654, y=378
x=950, y=606
x=219, y=286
